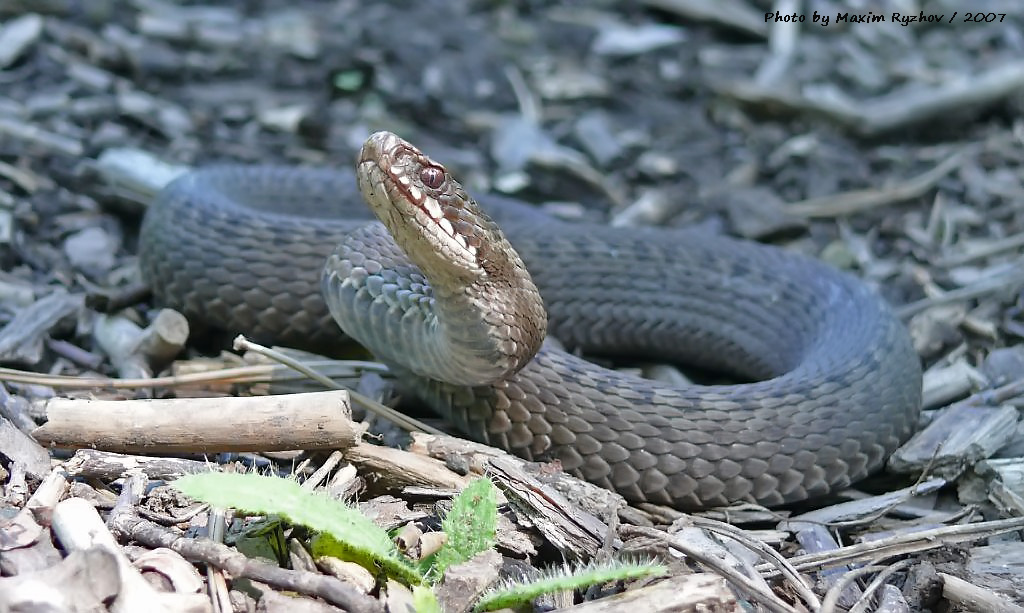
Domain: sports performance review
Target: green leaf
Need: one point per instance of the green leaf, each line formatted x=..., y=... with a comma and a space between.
x=517, y=594
x=470, y=525
x=352, y=535
x=260, y=539
x=424, y=600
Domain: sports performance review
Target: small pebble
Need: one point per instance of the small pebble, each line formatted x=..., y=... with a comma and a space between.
x=17, y=35
x=594, y=131
x=1004, y=364
x=625, y=40
x=91, y=249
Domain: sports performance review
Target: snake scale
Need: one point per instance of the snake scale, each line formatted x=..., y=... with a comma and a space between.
x=835, y=385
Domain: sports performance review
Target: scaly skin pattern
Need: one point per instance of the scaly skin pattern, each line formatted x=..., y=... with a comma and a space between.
x=837, y=383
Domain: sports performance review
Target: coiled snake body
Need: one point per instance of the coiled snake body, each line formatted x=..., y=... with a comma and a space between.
x=837, y=385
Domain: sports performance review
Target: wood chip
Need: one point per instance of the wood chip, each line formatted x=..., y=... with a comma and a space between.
x=697, y=593
x=576, y=533
x=959, y=437
x=21, y=340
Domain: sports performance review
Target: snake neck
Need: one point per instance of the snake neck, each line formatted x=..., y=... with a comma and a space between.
x=472, y=334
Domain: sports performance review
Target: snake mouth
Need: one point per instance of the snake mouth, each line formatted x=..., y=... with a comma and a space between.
x=417, y=198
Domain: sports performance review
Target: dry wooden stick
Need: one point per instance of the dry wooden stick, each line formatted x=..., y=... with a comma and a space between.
x=239, y=566
x=316, y=420
x=888, y=112
x=766, y=598
x=763, y=550
x=990, y=248
x=847, y=203
x=861, y=606
x=900, y=544
x=687, y=593
x=974, y=598
x=256, y=373
x=1014, y=278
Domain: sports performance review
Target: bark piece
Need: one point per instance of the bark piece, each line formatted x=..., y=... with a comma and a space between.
x=959, y=437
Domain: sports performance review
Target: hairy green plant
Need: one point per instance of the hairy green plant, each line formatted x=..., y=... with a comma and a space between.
x=424, y=600
x=470, y=526
x=353, y=536
x=517, y=593
x=346, y=533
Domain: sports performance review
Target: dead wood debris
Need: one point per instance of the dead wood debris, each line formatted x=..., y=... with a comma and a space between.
x=102, y=105
x=910, y=107
x=316, y=420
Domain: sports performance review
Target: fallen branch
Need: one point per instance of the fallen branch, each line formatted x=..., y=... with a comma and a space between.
x=316, y=420
x=837, y=205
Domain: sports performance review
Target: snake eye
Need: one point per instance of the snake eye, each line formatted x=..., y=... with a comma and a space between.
x=432, y=176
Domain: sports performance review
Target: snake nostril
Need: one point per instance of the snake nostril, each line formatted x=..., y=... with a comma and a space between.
x=432, y=176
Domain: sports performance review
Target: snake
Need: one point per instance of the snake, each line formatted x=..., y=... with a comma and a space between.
x=824, y=383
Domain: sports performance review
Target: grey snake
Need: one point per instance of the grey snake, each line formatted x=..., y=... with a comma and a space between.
x=835, y=383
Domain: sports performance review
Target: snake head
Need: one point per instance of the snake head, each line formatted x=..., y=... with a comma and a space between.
x=439, y=226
